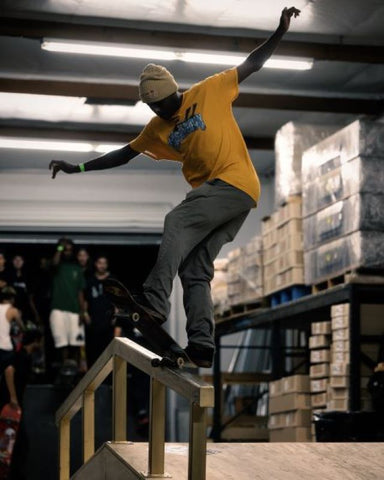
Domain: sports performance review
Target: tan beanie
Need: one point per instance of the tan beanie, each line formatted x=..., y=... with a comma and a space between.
x=156, y=83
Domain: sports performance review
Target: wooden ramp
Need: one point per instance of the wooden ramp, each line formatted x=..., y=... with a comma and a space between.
x=247, y=461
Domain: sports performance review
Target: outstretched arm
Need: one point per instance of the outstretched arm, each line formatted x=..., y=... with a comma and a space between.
x=257, y=57
x=109, y=160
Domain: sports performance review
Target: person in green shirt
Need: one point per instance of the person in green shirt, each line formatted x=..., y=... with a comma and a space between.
x=67, y=306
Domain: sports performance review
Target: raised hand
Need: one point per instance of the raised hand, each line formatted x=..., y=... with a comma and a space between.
x=57, y=165
x=286, y=16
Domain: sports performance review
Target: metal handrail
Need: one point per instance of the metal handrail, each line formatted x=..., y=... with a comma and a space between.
x=114, y=359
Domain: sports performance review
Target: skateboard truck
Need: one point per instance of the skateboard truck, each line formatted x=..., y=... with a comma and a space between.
x=168, y=362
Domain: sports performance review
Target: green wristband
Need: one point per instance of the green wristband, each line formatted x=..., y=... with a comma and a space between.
x=82, y=167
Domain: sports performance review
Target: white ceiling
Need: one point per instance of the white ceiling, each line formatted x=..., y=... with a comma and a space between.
x=339, y=22
x=351, y=18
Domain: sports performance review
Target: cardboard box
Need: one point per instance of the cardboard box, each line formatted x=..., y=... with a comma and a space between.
x=340, y=322
x=270, y=254
x=339, y=404
x=341, y=334
x=291, y=434
x=289, y=402
x=292, y=227
x=320, y=385
x=269, y=223
x=340, y=346
x=291, y=276
x=339, y=382
x=339, y=369
x=275, y=421
x=321, y=328
x=319, y=399
x=292, y=258
x=296, y=418
x=292, y=209
x=295, y=383
x=270, y=238
x=340, y=310
x=319, y=341
x=340, y=357
x=320, y=370
x=320, y=356
x=275, y=388
x=338, y=393
x=291, y=242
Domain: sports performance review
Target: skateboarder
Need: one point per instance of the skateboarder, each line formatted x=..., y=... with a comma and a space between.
x=196, y=128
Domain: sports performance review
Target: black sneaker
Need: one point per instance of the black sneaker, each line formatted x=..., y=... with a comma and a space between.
x=142, y=300
x=200, y=356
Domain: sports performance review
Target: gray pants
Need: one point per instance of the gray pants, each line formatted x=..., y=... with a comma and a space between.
x=194, y=232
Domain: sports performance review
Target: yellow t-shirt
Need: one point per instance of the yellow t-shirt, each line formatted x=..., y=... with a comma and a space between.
x=204, y=136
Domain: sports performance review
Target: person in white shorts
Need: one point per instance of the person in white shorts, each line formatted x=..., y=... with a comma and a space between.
x=68, y=305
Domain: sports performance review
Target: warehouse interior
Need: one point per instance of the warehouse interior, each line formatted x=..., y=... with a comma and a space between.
x=299, y=293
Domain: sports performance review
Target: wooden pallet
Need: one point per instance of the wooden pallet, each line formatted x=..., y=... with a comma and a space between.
x=245, y=307
x=352, y=276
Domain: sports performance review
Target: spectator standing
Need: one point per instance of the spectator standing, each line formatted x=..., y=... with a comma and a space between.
x=19, y=281
x=8, y=314
x=68, y=305
x=99, y=328
x=84, y=260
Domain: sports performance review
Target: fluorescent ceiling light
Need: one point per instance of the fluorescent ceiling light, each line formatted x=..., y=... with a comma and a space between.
x=91, y=48
x=41, y=144
x=59, y=145
x=108, y=147
x=129, y=51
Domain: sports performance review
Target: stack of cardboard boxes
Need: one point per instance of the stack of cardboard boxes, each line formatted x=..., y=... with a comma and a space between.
x=338, y=391
x=343, y=202
x=219, y=285
x=320, y=357
x=290, y=409
x=242, y=274
x=251, y=271
x=235, y=282
x=283, y=259
x=371, y=324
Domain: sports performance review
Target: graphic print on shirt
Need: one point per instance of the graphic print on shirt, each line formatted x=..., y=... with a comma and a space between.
x=191, y=123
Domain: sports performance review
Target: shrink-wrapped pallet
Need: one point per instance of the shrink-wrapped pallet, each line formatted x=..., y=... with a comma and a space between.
x=358, y=212
x=362, y=249
x=336, y=181
x=360, y=138
x=290, y=142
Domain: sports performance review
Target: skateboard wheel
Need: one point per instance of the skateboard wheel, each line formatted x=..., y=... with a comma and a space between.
x=156, y=362
x=180, y=362
x=135, y=316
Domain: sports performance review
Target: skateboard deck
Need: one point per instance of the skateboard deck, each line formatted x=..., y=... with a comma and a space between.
x=173, y=355
x=9, y=425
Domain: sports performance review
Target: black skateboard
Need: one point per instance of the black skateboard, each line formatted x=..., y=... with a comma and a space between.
x=161, y=342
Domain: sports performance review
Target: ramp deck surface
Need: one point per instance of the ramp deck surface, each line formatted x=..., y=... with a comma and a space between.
x=269, y=461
